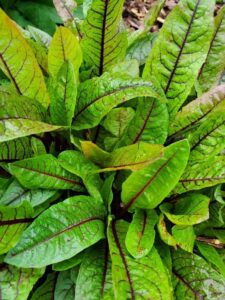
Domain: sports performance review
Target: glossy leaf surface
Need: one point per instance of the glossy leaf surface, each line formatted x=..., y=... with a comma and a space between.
x=136, y=278
x=44, y=172
x=18, y=62
x=59, y=233
x=148, y=187
x=181, y=49
x=103, y=43
x=97, y=96
x=13, y=221
x=141, y=234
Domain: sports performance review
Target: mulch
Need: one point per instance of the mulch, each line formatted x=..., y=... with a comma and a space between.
x=135, y=11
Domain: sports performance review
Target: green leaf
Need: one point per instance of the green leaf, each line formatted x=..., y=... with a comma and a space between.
x=136, y=278
x=19, y=64
x=68, y=263
x=214, y=65
x=141, y=234
x=103, y=44
x=188, y=210
x=66, y=284
x=165, y=236
x=59, y=233
x=13, y=221
x=44, y=172
x=96, y=264
x=75, y=162
x=184, y=236
x=117, y=120
x=17, y=283
x=15, y=149
x=41, y=15
x=153, y=13
x=212, y=256
x=47, y=289
x=15, y=194
x=64, y=47
x=63, y=91
x=196, y=112
x=20, y=117
x=40, y=54
x=133, y=157
x=195, y=279
x=41, y=37
x=181, y=49
x=150, y=123
x=201, y=175
x=139, y=49
x=208, y=139
x=148, y=187
x=97, y=96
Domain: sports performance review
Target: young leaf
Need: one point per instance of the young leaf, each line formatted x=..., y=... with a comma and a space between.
x=40, y=54
x=17, y=283
x=15, y=194
x=74, y=162
x=66, y=284
x=165, y=236
x=150, y=123
x=95, y=279
x=214, y=65
x=103, y=43
x=13, y=221
x=97, y=96
x=18, y=62
x=148, y=187
x=181, y=49
x=59, y=233
x=195, y=279
x=188, y=210
x=63, y=91
x=44, y=172
x=184, y=236
x=212, y=256
x=47, y=289
x=197, y=111
x=201, y=175
x=136, y=277
x=64, y=47
x=141, y=234
x=133, y=157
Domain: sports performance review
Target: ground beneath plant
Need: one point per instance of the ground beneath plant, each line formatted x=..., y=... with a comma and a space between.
x=135, y=11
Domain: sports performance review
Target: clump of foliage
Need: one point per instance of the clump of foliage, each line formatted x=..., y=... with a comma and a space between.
x=112, y=164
